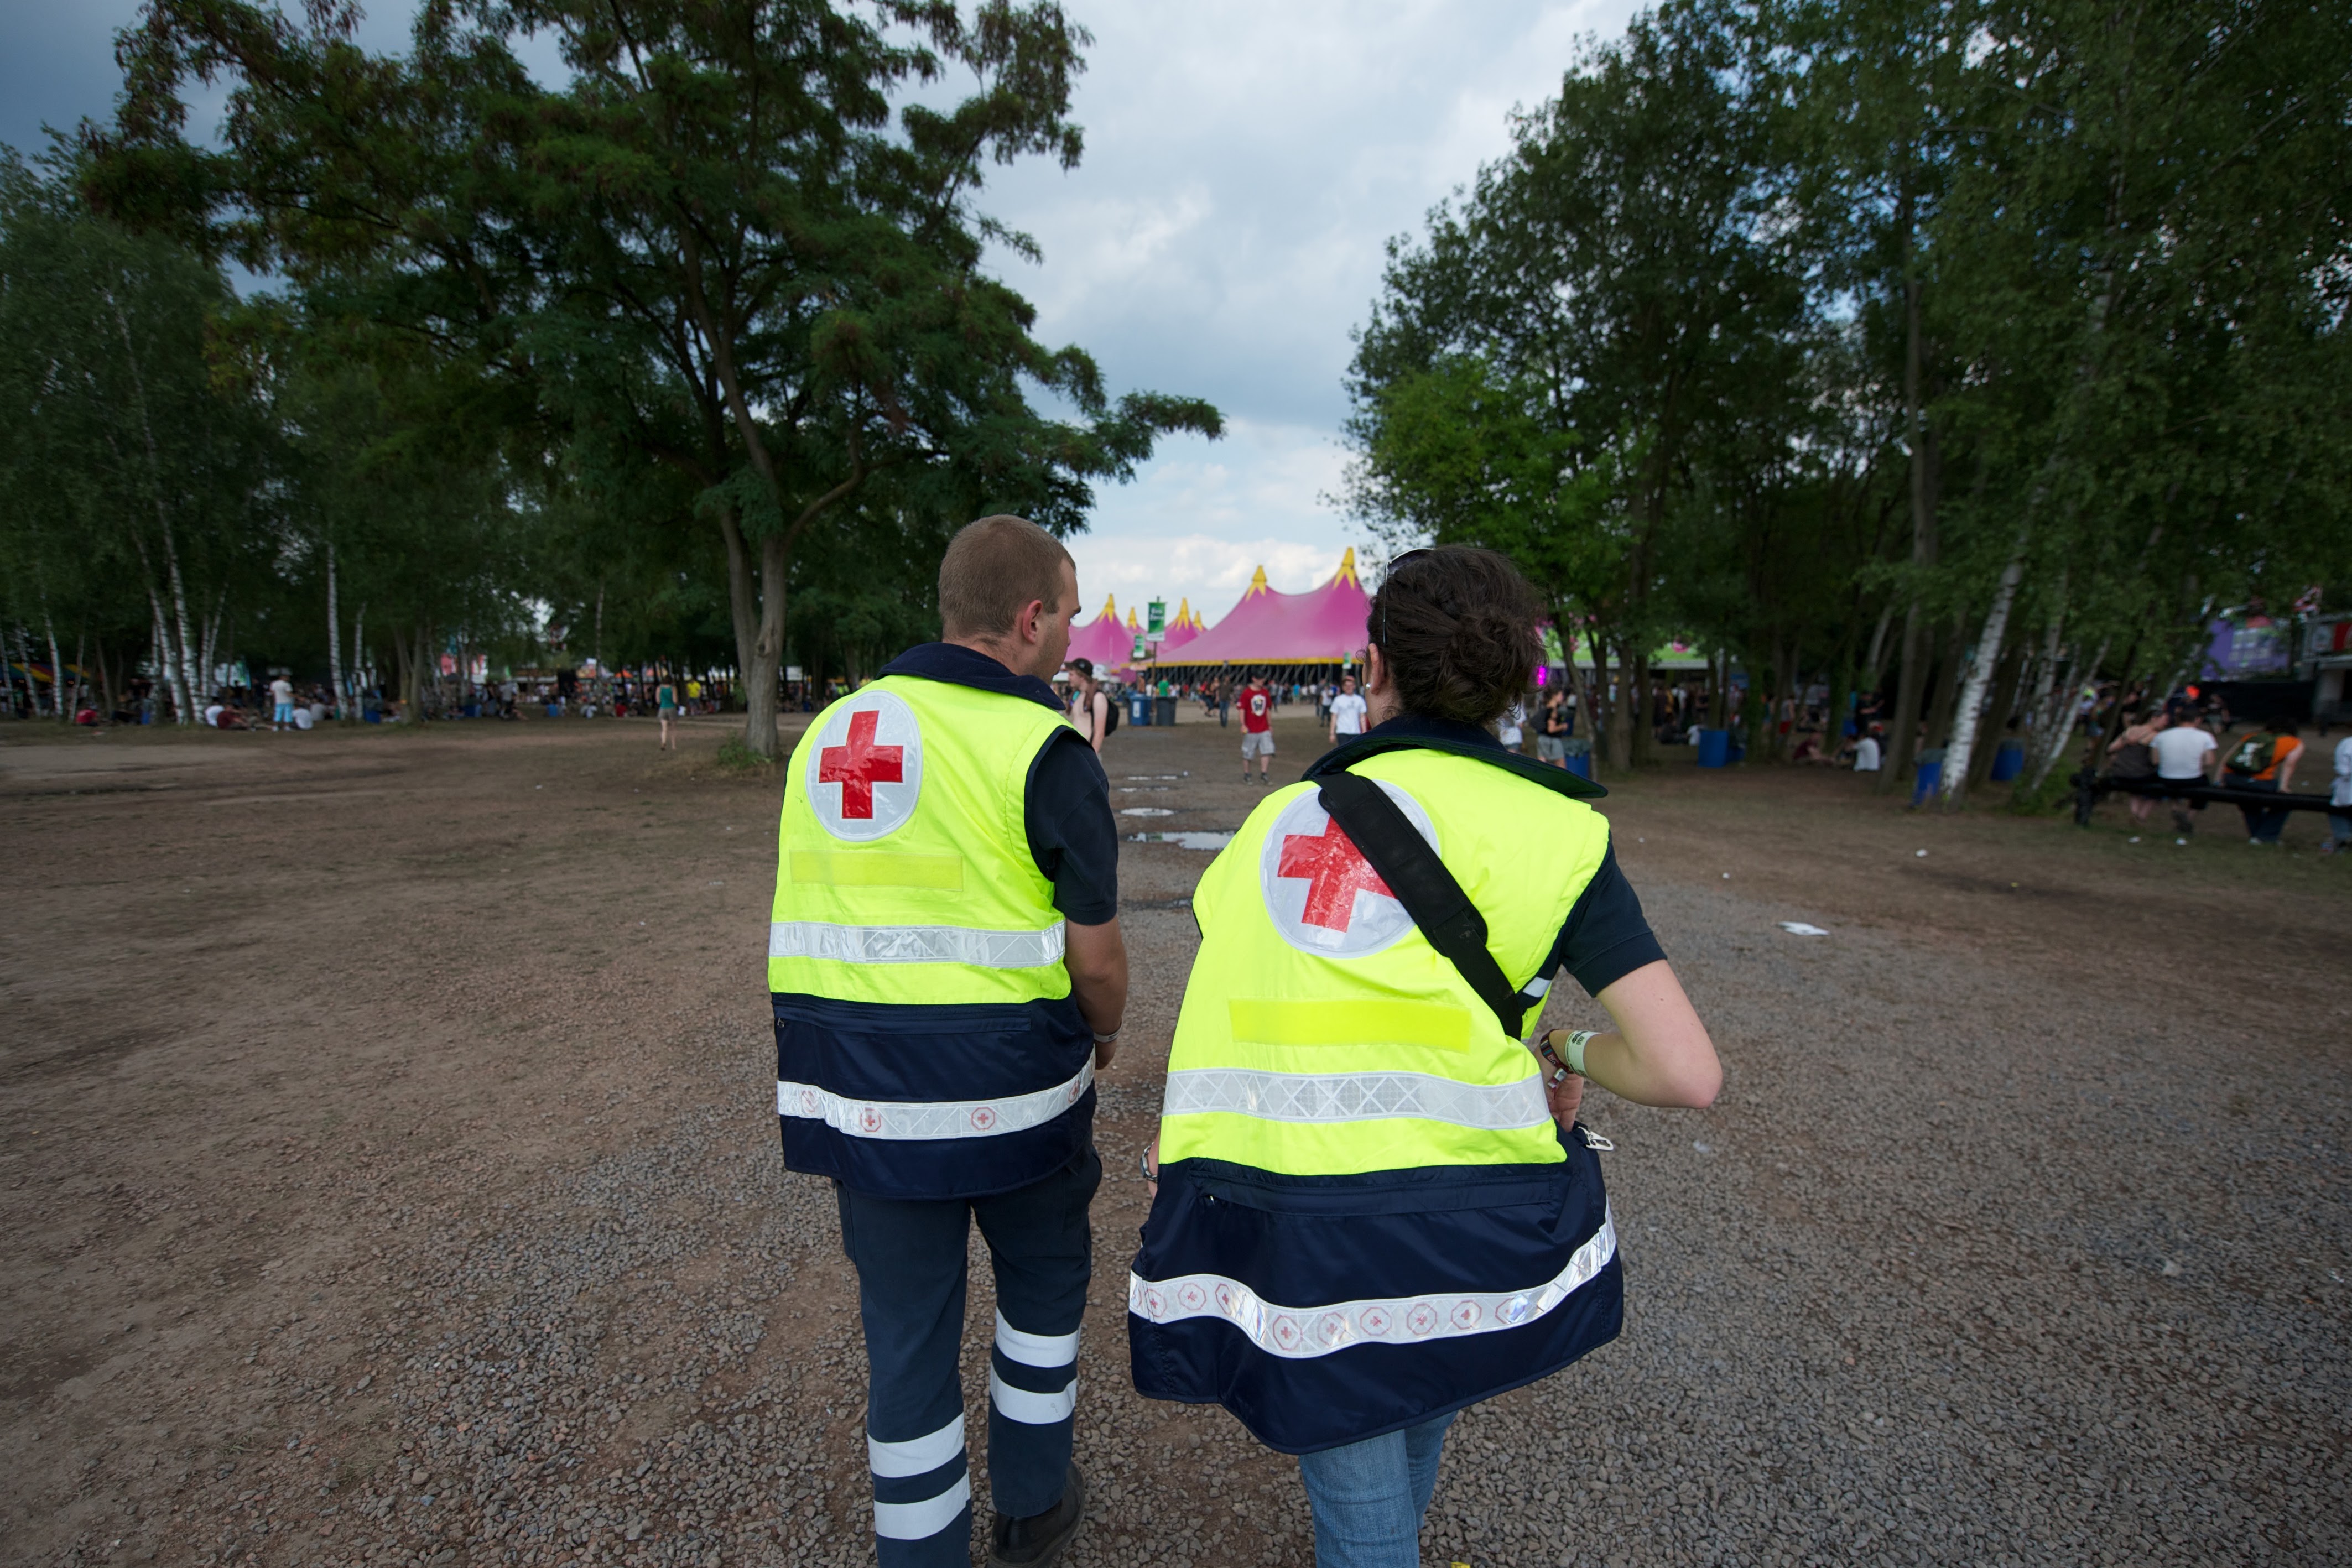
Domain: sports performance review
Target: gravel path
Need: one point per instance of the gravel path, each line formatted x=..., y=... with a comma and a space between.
x=1977, y=1260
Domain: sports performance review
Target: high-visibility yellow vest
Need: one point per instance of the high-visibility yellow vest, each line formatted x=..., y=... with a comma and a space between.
x=1285, y=1001
x=903, y=871
x=926, y=1042
x=1367, y=1215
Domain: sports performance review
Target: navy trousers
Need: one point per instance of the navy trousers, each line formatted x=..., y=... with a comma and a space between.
x=911, y=1276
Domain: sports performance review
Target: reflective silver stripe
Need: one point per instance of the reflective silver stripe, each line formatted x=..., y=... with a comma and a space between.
x=1296, y=1333
x=1356, y=1097
x=918, y=1120
x=915, y=1456
x=1041, y=1350
x=914, y=944
x=916, y=1521
x=1030, y=1408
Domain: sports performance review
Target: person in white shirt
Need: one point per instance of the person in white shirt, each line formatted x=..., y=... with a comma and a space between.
x=2185, y=754
x=1867, y=752
x=281, y=697
x=1347, y=712
x=2340, y=802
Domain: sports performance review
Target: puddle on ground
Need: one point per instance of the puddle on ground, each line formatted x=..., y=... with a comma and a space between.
x=1147, y=778
x=1145, y=790
x=1187, y=841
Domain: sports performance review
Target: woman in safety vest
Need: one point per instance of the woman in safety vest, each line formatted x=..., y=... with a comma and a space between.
x=1373, y=1205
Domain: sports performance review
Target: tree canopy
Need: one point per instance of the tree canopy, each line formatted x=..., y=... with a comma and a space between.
x=1997, y=344
x=715, y=309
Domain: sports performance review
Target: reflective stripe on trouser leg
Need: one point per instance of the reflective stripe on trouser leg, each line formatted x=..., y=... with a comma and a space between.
x=1033, y=1394
x=922, y=1497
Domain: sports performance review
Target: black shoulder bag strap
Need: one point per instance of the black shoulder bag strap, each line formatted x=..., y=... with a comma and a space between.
x=1428, y=891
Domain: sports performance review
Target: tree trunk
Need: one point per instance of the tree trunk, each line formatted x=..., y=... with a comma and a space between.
x=1994, y=723
x=359, y=661
x=767, y=653
x=334, y=639
x=1620, y=716
x=1990, y=646
x=2052, y=742
x=57, y=666
x=1910, y=685
x=1948, y=684
x=1642, y=752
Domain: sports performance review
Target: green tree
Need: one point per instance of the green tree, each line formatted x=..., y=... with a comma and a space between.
x=717, y=233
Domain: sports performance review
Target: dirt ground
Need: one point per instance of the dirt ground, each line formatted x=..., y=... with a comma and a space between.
x=390, y=1175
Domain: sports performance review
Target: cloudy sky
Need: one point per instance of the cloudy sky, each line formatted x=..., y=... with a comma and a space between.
x=1244, y=164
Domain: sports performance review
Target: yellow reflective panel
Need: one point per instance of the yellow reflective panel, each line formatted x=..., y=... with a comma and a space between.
x=877, y=868
x=1352, y=1022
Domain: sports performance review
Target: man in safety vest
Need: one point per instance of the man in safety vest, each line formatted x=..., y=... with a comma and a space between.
x=948, y=976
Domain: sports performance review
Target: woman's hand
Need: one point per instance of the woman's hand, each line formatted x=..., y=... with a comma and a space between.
x=1564, y=1098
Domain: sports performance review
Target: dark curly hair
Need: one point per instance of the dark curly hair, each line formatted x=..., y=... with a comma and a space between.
x=1456, y=627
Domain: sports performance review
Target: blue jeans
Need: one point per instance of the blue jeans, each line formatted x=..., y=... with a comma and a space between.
x=1369, y=1496
x=2263, y=823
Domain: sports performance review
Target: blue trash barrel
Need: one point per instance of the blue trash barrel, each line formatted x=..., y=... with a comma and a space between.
x=1931, y=780
x=1713, y=748
x=554, y=711
x=1581, y=764
x=2008, y=761
x=1139, y=709
x=473, y=710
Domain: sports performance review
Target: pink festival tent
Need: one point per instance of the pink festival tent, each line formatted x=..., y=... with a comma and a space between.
x=1322, y=626
x=1183, y=629
x=1104, y=640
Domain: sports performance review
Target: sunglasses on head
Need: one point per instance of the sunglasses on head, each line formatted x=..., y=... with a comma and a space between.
x=1388, y=575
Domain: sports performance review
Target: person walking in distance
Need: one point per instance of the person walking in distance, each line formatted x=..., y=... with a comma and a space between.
x=2184, y=754
x=1372, y=1204
x=1551, y=736
x=1257, y=727
x=281, y=703
x=665, y=699
x=1347, y=712
x=1089, y=706
x=948, y=976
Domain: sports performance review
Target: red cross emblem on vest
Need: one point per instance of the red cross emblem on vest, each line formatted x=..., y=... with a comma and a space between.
x=863, y=767
x=858, y=766
x=1335, y=871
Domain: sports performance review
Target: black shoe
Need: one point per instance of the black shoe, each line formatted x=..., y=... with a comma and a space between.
x=1036, y=1541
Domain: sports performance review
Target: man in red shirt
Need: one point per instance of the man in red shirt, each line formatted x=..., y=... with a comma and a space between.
x=1257, y=728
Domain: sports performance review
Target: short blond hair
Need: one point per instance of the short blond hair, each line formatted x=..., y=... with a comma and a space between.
x=991, y=569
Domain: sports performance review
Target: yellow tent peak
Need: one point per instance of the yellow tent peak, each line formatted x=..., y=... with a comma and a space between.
x=1110, y=607
x=1183, y=612
x=1132, y=623
x=1257, y=583
x=1347, y=573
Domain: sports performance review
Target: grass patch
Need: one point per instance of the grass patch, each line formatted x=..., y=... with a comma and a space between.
x=740, y=761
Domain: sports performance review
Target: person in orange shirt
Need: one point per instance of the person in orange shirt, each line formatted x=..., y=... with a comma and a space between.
x=2265, y=761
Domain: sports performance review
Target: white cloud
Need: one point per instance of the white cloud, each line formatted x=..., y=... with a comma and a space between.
x=1246, y=164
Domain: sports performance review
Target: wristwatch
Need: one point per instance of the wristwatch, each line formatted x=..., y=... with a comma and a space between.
x=1570, y=1048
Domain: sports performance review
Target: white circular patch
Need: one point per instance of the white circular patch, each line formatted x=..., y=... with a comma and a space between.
x=865, y=766
x=1323, y=895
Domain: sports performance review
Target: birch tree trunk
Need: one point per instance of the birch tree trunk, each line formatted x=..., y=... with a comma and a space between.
x=56, y=666
x=334, y=639
x=1981, y=673
x=359, y=661
x=2061, y=733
